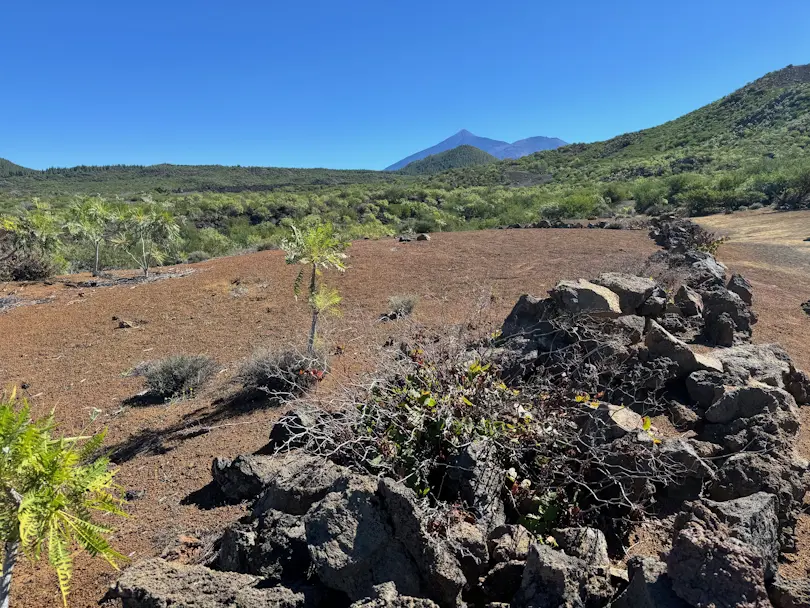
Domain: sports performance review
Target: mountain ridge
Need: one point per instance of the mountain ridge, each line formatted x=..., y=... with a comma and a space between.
x=497, y=148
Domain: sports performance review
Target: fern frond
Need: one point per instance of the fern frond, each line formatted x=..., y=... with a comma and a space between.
x=299, y=280
x=60, y=558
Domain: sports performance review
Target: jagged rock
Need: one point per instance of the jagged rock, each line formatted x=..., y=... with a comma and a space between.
x=709, y=567
x=584, y=297
x=155, y=583
x=649, y=586
x=748, y=401
x=587, y=544
x=797, y=383
x=720, y=330
x=655, y=305
x=470, y=548
x=720, y=301
x=438, y=567
x=739, y=284
x=387, y=596
x=705, y=449
x=704, y=269
x=747, y=473
x=552, y=578
x=754, y=521
x=352, y=544
x=767, y=363
x=661, y=343
x=244, y=476
x=503, y=581
x=509, y=543
x=689, y=301
x=479, y=481
x=632, y=290
x=682, y=452
x=705, y=387
x=790, y=593
x=273, y=546
x=632, y=325
x=529, y=316
x=423, y=237
x=297, y=481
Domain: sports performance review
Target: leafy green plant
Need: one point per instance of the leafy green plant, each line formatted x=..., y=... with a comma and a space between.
x=147, y=231
x=316, y=248
x=91, y=220
x=50, y=489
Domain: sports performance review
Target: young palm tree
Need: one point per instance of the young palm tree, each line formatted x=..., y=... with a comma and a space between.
x=49, y=489
x=317, y=248
x=148, y=231
x=91, y=220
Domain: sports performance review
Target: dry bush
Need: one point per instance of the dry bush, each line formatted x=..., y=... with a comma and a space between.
x=178, y=375
x=549, y=441
x=281, y=375
x=401, y=306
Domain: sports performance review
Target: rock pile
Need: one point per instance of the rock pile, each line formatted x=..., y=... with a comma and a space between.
x=324, y=534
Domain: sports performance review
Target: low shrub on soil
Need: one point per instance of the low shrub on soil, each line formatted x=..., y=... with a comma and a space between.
x=281, y=374
x=178, y=375
x=401, y=306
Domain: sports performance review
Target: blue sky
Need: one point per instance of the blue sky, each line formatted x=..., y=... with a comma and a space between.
x=360, y=84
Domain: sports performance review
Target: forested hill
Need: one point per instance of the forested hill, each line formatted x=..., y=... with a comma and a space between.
x=768, y=118
x=462, y=156
x=8, y=168
x=123, y=179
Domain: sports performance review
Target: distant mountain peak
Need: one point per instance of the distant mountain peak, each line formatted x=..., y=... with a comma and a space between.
x=498, y=149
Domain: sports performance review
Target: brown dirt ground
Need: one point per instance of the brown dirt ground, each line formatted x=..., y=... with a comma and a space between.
x=71, y=355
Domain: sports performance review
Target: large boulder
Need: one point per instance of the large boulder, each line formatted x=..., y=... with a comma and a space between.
x=649, y=587
x=718, y=302
x=705, y=387
x=155, y=583
x=298, y=481
x=633, y=291
x=552, y=578
x=468, y=544
x=790, y=593
x=352, y=544
x=767, y=363
x=754, y=520
x=503, y=581
x=274, y=546
x=435, y=560
x=529, y=316
x=584, y=297
x=662, y=344
x=709, y=567
x=748, y=401
x=243, y=477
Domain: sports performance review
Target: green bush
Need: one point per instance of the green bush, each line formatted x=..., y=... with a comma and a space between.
x=401, y=306
x=178, y=375
x=197, y=256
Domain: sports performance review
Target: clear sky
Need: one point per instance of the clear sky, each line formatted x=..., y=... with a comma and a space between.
x=361, y=84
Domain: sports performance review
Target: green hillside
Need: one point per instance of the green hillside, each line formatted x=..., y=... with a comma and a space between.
x=767, y=119
x=126, y=179
x=461, y=156
x=8, y=168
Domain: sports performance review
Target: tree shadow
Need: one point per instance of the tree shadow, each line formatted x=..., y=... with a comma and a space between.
x=155, y=441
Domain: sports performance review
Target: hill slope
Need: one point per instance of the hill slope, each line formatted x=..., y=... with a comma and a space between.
x=497, y=148
x=463, y=156
x=768, y=118
x=8, y=168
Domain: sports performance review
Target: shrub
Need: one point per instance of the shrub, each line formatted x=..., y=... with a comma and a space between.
x=197, y=256
x=28, y=266
x=401, y=306
x=281, y=375
x=178, y=375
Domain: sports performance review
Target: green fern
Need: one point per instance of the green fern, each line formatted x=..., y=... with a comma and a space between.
x=51, y=488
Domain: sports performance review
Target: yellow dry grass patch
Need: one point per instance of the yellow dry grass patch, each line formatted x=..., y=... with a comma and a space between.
x=762, y=226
